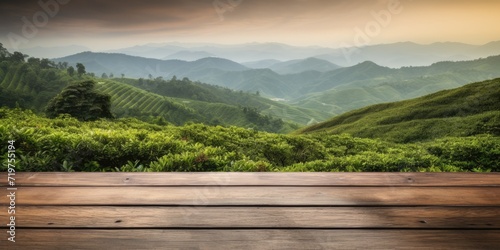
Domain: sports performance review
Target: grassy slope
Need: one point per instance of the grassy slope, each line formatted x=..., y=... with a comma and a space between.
x=28, y=86
x=66, y=144
x=202, y=96
x=133, y=101
x=468, y=110
x=352, y=88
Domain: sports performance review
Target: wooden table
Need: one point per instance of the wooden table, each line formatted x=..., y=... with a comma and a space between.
x=253, y=211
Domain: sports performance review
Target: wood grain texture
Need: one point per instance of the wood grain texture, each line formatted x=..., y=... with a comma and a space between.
x=263, y=196
x=254, y=179
x=257, y=217
x=254, y=211
x=253, y=239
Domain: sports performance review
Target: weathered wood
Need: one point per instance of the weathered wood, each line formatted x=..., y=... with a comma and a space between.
x=254, y=211
x=260, y=196
x=254, y=239
x=255, y=179
x=257, y=217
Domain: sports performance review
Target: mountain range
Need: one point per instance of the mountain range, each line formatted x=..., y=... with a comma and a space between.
x=316, y=84
x=393, y=55
x=32, y=84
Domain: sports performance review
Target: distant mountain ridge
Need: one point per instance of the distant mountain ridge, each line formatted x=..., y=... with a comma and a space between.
x=51, y=52
x=186, y=55
x=140, y=67
x=393, y=55
x=299, y=66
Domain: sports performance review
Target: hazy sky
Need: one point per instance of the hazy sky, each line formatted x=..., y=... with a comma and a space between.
x=113, y=24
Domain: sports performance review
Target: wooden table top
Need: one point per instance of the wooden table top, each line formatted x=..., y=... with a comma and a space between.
x=252, y=211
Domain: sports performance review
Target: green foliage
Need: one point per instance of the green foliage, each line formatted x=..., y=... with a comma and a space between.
x=470, y=110
x=80, y=100
x=4, y=53
x=470, y=153
x=67, y=144
x=355, y=87
x=29, y=84
x=80, y=69
x=34, y=83
x=130, y=101
x=71, y=71
x=198, y=95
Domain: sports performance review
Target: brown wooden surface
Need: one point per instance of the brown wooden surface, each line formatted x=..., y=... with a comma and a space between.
x=261, y=196
x=256, y=239
x=254, y=179
x=253, y=211
x=262, y=217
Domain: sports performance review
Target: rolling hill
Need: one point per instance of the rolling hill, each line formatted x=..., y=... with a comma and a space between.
x=394, y=55
x=200, y=96
x=333, y=92
x=140, y=67
x=261, y=64
x=469, y=110
x=32, y=84
x=187, y=55
x=302, y=65
x=346, y=89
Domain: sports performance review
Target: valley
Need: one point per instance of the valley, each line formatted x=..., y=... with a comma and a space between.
x=323, y=87
x=214, y=114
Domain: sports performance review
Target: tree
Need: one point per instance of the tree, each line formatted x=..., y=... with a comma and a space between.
x=61, y=65
x=81, y=101
x=104, y=76
x=71, y=71
x=46, y=63
x=34, y=61
x=4, y=53
x=18, y=57
x=80, y=68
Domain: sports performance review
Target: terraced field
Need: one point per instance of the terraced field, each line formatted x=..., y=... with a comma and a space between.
x=126, y=97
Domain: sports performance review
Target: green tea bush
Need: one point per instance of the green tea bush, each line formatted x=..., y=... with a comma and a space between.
x=468, y=153
x=66, y=144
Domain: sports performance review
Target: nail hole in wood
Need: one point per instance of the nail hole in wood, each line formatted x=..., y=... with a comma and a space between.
x=423, y=222
x=118, y=221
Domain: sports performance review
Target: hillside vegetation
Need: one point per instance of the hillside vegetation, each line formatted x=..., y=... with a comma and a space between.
x=66, y=144
x=200, y=95
x=306, y=84
x=469, y=110
x=346, y=89
x=33, y=83
x=184, y=125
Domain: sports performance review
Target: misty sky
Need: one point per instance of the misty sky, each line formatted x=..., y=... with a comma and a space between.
x=113, y=24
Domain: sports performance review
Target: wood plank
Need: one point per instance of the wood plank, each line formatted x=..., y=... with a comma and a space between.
x=256, y=217
x=254, y=179
x=253, y=239
x=235, y=195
